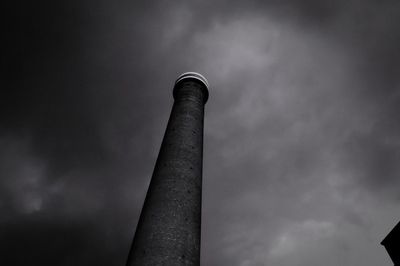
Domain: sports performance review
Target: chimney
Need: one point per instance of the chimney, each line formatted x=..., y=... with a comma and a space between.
x=168, y=231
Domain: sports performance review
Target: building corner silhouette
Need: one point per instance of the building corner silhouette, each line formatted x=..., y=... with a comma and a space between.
x=392, y=244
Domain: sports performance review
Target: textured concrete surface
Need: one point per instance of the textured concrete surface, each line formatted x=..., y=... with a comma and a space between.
x=168, y=232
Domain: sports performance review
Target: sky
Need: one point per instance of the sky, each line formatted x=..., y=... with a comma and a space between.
x=301, y=141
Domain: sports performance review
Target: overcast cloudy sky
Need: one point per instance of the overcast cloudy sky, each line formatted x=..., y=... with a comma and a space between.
x=302, y=127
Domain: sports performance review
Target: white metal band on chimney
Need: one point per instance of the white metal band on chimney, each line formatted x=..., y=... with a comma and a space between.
x=193, y=75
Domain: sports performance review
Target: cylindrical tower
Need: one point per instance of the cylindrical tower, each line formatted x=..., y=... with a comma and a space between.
x=168, y=231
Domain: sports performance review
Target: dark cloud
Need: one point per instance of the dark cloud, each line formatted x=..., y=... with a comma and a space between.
x=301, y=135
x=58, y=241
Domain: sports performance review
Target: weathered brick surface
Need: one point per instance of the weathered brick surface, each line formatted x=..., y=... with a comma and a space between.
x=168, y=232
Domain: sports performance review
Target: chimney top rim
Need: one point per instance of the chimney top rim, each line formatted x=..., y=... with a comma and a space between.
x=193, y=75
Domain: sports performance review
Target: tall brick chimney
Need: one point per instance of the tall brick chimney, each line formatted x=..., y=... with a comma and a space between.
x=168, y=231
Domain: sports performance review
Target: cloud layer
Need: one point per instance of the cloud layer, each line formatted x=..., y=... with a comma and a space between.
x=302, y=132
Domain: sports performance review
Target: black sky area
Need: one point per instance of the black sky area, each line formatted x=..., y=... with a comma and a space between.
x=302, y=127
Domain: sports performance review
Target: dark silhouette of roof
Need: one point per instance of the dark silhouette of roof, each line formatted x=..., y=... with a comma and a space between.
x=392, y=244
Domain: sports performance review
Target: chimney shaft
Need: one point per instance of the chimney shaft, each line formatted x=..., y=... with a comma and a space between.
x=168, y=231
